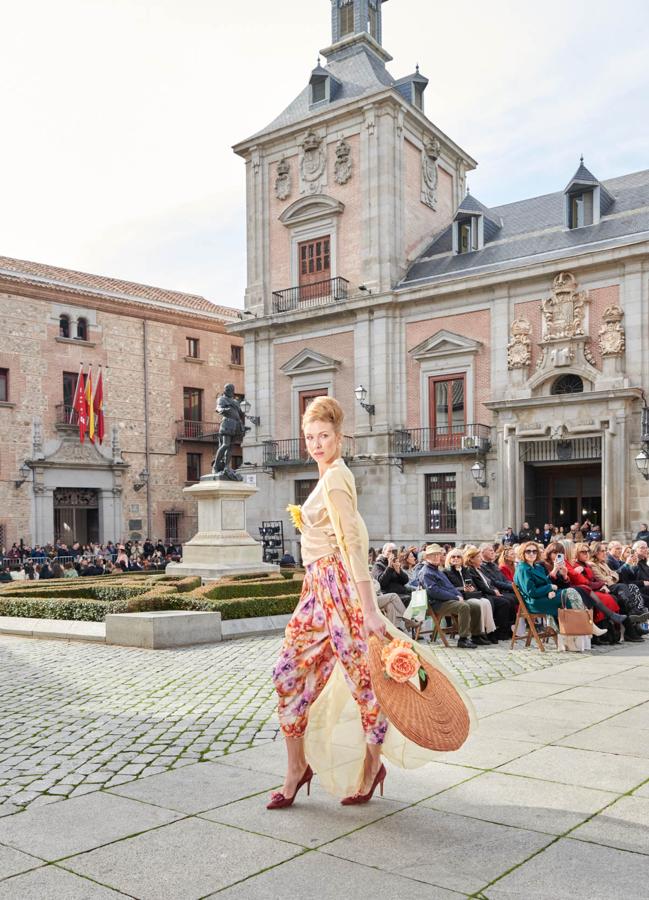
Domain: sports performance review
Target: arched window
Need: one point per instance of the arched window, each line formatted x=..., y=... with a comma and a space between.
x=82, y=330
x=64, y=326
x=568, y=384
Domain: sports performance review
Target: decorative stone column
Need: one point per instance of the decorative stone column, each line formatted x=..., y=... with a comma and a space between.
x=222, y=547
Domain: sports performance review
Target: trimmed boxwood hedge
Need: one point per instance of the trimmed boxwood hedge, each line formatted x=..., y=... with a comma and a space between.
x=41, y=608
x=234, y=608
x=260, y=589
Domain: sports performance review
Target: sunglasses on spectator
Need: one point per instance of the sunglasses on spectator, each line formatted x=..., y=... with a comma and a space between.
x=535, y=552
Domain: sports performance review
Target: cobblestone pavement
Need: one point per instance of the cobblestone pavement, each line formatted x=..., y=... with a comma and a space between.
x=75, y=717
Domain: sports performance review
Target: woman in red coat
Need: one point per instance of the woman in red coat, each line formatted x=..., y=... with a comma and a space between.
x=581, y=575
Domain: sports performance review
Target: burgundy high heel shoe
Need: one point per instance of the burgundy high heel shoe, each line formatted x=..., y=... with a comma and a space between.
x=279, y=801
x=365, y=798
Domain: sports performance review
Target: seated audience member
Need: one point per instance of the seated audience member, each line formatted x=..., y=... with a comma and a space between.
x=69, y=571
x=614, y=555
x=626, y=555
x=460, y=578
x=122, y=559
x=4, y=575
x=506, y=563
x=581, y=575
x=371, y=556
x=445, y=599
x=636, y=568
x=408, y=560
x=547, y=534
x=286, y=562
x=57, y=569
x=391, y=605
x=540, y=593
x=387, y=571
x=628, y=596
x=503, y=603
x=509, y=538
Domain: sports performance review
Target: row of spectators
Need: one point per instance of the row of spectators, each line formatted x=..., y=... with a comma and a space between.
x=610, y=579
x=59, y=560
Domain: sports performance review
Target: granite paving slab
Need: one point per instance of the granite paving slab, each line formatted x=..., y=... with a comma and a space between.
x=53, y=883
x=13, y=861
x=487, y=752
x=575, y=870
x=269, y=757
x=624, y=825
x=334, y=878
x=72, y=826
x=193, y=789
x=637, y=717
x=524, y=724
x=588, y=768
x=611, y=699
x=522, y=802
x=610, y=738
x=450, y=851
x=187, y=860
x=311, y=821
x=634, y=679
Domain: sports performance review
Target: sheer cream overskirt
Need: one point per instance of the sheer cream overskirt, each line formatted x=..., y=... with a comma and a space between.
x=334, y=740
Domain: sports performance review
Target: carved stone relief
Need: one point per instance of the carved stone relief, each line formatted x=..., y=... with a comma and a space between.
x=343, y=165
x=283, y=185
x=429, y=174
x=611, y=334
x=313, y=164
x=564, y=310
x=519, y=349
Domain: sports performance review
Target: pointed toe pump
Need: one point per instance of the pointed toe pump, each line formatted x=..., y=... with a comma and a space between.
x=279, y=801
x=357, y=799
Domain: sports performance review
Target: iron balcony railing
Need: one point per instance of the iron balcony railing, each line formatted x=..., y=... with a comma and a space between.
x=306, y=296
x=66, y=416
x=293, y=452
x=190, y=430
x=462, y=438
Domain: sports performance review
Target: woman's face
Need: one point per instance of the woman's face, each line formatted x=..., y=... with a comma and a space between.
x=473, y=560
x=456, y=560
x=411, y=559
x=582, y=557
x=322, y=442
x=531, y=555
x=509, y=556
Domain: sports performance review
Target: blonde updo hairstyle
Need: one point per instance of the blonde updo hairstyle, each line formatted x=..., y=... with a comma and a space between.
x=324, y=409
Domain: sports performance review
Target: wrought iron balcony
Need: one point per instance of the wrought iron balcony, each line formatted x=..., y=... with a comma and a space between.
x=444, y=439
x=293, y=452
x=306, y=296
x=189, y=430
x=66, y=417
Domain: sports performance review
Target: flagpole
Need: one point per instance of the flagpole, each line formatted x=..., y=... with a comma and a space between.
x=76, y=394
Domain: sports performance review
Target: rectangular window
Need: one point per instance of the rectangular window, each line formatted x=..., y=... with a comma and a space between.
x=419, y=96
x=172, y=527
x=4, y=385
x=69, y=387
x=447, y=410
x=581, y=209
x=192, y=347
x=467, y=236
x=193, y=404
x=236, y=355
x=346, y=19
x=194, y=466
x=319, y=90
x=441, y=504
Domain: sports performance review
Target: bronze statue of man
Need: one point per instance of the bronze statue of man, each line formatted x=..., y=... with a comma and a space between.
x=232, y=431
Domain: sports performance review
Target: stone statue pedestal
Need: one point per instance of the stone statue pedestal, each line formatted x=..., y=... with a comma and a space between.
x=222, y=547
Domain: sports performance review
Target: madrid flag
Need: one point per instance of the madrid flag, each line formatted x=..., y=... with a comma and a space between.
x=98, y=407
x=89, y=406
x=79, y=405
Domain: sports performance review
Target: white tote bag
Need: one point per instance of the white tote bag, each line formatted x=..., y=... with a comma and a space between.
x=416, y=609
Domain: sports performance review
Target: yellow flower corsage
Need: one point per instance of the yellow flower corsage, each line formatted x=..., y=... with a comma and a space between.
x=295, y=513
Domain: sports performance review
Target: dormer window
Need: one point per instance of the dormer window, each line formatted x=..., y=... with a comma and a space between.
x=418, y=98
x=324, y=87
x=372, y=22
x=346, y=18
x=318, y=90
x=467, y=235
x=581, y=209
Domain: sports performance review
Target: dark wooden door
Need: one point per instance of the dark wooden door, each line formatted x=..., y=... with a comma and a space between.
x=447, y=410
x=315, y=267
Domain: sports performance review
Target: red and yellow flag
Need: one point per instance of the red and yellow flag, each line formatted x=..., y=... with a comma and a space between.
x=79, y=405
x=98, y=407
x=89, y=406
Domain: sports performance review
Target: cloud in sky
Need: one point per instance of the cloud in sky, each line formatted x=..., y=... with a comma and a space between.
x=119, y=115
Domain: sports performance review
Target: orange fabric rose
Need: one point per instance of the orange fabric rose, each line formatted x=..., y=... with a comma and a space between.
x=400, y=662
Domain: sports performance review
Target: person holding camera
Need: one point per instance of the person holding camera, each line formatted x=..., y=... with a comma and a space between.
x=389, y=572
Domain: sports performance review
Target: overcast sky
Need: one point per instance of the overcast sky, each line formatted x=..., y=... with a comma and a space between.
x=118, y=115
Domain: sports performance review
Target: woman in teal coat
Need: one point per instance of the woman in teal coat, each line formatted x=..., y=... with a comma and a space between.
x=541, y=595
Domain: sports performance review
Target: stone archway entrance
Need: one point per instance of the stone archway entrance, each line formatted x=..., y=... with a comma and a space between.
x=76, y=515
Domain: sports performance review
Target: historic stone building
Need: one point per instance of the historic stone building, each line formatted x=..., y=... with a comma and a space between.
x=501, y=352
x=164, y=357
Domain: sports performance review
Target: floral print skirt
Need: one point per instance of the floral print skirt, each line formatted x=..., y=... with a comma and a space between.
x=326, y=627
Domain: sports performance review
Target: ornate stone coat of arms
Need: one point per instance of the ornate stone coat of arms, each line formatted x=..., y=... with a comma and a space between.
x=343, y=166
x=611, y=334
x=313, y=163
x=429, y=174
x=564, y=310
x=283, y=184
x=519, y=349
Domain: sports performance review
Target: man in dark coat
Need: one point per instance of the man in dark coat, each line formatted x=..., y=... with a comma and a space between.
x=445, y=599
x=389, y=574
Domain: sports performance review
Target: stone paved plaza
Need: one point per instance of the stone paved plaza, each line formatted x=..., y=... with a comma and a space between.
x=131, y=773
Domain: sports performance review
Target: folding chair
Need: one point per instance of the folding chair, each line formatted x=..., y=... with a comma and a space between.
x=541, y=635
x=441, y=629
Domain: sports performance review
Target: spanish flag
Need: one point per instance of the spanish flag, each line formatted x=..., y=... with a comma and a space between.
x=90, y=407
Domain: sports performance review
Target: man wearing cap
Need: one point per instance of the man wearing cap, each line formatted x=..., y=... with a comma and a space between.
x=445, y=599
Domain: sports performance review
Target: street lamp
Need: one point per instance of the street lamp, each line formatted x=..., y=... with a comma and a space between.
x=245, y=409
x=143, y=479
x=479, y=472
x=23, y=472
x=361, y=395
x=642, y=463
